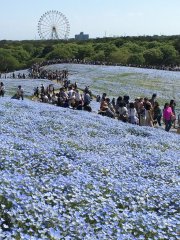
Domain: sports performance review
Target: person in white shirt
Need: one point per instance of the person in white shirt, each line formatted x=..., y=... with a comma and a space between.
x=122, y=111
x=132, y=114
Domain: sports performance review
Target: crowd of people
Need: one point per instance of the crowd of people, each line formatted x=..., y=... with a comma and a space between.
x=37, y=72
x=68, y=96
x=142, y=111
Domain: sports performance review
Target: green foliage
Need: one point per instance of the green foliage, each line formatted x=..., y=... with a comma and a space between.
x=7, y=61
x=133, y=47
x=153, y=56
x=107, y=48
x=142, y=50
x=46, y=50
x=136, y=58
x=61, y=51
x=153, y=44
x=38, y=52
x=84, y=51
x=120, y=56
x=99, y=56
x=169, y=54
x=28, y=47
x=35, y=60
x=177, y=45
x=20, y=54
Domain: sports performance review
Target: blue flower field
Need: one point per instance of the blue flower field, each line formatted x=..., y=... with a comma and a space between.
x=68, y=174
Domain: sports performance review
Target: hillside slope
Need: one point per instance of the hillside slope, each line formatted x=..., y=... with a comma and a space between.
x=69, y=174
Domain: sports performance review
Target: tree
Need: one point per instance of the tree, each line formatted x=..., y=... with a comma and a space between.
x=169, y=54
x=46, y=50
x=153, y=56
x=120, y=56
x=7, y=61
x=29, y=47
x=153, y=44
x=20, y=54
x=177, y=44
x=136, y=58
x=100, y=56
x=61, y=51
x=84, y=51
x=108, y=49
x=133, y=47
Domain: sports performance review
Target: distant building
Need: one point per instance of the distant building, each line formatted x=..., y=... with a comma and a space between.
x=82, y=36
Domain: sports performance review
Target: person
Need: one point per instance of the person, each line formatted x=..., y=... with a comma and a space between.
x=122, y=112
x=72, y=100
x=2, y=89
x=78, y=97
x=113, y=102
x=36, y=92
x=172, y=104
x=98, y=98
x=141, y=112
x=20, y=92
x=146, y=102
x=42, y=89
x=126, y=100
x=54, y=98
x=148, y=115
x=70, y=92
x=157, y=114
x=153, y=99
x=87, y=99
x=179, y=120
x=63, y=94
x=103, y=105
x=167, y=113
x=132, y=114
x=79, y=105
x=45, y=98
x=104, y=95
x=119, y=102
x=110, y=112
x=75, y=85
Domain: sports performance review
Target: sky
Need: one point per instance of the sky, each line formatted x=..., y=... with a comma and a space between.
x=98, y=18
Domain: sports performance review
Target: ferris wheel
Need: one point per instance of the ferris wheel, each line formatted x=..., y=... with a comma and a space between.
x=53, y=25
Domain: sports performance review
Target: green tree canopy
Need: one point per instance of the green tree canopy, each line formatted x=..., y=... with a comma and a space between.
x=136, y=58
x=60, y=51
x=169, y=54
x=133, y=47
x=7, y=61
x=85, y=51
x=153, y=56
x=120, y=56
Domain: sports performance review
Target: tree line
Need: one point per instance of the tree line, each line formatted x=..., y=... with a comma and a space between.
x=137, y=51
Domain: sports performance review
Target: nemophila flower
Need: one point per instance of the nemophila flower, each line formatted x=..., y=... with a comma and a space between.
x=59, y=179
